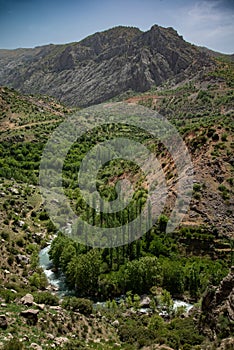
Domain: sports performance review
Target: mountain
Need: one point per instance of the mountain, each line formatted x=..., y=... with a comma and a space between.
x=102, y=65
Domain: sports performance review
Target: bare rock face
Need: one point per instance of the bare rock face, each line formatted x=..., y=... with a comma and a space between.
x=218, y=309
x=103, y=65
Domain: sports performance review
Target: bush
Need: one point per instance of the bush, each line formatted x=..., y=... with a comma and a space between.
x=7, y=295
x=215, y=137
x=33, y=214
x=38, y=280
x=210, y=132
x=224, y=137
x=13, y=344
x=197, y=187
x=5, y=235
x=43, y=216
x=20, y=242
x=135, y=333
x=46, y=298
x=10, y=259
x=84, y=306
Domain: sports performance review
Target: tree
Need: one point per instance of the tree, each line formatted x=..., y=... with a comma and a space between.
x=166, y=301
x=140, y=275
x=173, y=276
x=162, y=221
x=57, y=247
x=83, y=272
x=67, y=254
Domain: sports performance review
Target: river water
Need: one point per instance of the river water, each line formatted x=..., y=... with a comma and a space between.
x=57, y=280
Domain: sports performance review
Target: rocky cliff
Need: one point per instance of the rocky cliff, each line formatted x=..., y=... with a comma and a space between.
x=218, y=309
x=102, y=65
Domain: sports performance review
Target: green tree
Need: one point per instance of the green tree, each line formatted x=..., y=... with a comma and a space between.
x=83, y=272
x=140, y=275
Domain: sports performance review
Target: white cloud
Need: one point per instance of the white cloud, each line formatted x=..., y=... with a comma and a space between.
x=207, y=23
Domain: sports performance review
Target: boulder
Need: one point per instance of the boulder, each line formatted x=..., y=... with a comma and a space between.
x=56, y=308
x=25, y=338
x=22, y=258
x=35, y=346
x=21, y=223
x=60, y=341
x=145, y=302
x=28, y=300
x=30, y=315
x=50, y=336
x=14, y=190
x=40, y=306
x=115, y=323
x=226, y=344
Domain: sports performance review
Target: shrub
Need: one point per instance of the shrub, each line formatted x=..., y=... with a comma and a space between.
x=197, y=187
x=5, y=235
x=33, y=214
x=10, y=259
x=20, y=242
x=43, y=216
x=224, y=137
x=38, y=280
x=84, y=306
x=210, y=132
x=46, y=298
x=215, y=137
x=222, y=188
x=14, y=344
x=7, y=295
x=197, y=196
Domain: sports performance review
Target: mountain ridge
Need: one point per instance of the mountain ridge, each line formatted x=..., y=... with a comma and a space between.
x=102, y=65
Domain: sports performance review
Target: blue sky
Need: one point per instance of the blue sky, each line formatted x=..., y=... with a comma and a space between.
x=29, y=23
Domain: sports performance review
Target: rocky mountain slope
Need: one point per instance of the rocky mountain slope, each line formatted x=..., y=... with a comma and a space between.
x=202, y=110
x=102, y=65
x=218, y=308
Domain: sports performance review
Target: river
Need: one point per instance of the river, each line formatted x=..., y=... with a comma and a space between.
x=57, y=280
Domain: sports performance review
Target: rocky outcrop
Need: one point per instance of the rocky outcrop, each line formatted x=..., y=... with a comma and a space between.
x=103, y=65
x=217, y=316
